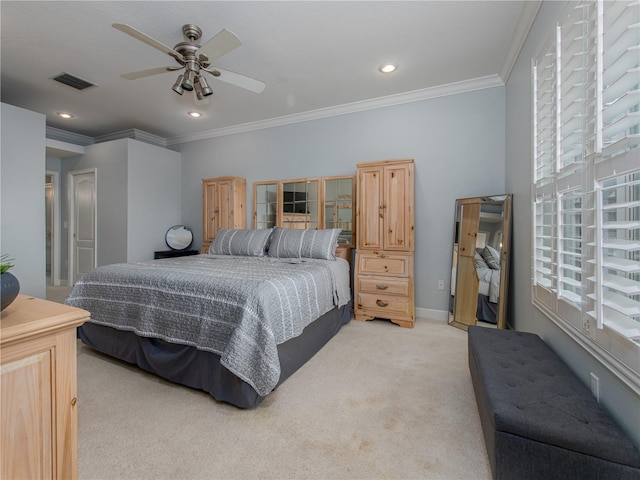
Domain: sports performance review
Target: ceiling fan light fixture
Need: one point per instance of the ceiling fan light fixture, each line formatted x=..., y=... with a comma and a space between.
x=187, y=81
x=198, y=90
x=206, y=89
x=177, y=87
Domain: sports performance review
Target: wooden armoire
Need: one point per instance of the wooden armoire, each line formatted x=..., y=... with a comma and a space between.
x=223, y=206
x=385, y=242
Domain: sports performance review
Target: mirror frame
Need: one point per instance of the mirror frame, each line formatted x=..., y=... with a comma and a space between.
x=323, y=195
x=184, y=233
x=467, y=229
x=295, y=224
x=256, y=186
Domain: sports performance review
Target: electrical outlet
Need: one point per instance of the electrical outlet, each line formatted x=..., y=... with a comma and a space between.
x=595, y=386
x=440, y=284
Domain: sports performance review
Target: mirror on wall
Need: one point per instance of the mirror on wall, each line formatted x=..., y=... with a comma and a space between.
x=480, y=262
x=179, y=237
x=300, y=208
x=307, y=203
x=338, y=207
x=265, y=209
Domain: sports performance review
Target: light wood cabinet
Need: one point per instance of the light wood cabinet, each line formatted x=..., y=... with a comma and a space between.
x=385, y=241
x=223, y=206
x=38, y=389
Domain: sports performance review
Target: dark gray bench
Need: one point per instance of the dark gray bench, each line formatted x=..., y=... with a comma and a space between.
x=539, y=420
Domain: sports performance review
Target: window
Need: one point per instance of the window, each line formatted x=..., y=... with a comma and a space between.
x=586, y=174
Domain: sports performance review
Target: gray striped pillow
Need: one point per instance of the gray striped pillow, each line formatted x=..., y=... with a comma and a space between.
x=250, y=243
x=287, y=243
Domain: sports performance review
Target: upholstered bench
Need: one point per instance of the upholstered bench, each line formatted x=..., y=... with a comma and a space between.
x=539, y=420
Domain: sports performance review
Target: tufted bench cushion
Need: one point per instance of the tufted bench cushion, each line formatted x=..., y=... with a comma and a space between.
x=539, y=421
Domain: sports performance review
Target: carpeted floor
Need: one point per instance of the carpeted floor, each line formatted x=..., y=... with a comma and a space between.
x=378, y=402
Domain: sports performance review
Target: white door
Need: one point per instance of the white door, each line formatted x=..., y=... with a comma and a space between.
x=82, y=231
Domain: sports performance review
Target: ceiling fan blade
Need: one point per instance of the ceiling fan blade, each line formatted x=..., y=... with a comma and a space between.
x=236, y=79
x=221, y=44
x=129, y=30
x=149, y=72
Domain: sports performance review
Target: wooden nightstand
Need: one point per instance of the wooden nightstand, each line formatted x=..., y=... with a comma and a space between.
x=38, y=389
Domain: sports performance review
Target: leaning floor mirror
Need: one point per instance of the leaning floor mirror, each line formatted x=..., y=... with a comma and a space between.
x=480, y=265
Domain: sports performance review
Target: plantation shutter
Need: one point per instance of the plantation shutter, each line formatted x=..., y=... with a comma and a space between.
x=545, y=83
x=586, y=187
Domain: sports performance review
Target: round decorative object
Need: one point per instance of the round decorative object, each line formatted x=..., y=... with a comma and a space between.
x=179, y=237
x=9, y=289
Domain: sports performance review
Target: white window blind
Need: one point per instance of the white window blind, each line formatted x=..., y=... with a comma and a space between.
x=586, y=191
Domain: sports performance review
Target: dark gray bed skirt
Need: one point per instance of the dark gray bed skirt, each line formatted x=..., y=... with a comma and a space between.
x=202, y=370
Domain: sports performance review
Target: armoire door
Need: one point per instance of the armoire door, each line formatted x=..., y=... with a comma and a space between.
x=224, y=195
x=397, y=205
x=369, y=208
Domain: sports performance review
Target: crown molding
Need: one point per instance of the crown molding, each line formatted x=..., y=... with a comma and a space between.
x=524, y=24
x=388, y=101
x=68, y=137
x=135, y=134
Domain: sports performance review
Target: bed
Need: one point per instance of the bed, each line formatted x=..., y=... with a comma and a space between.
x=235, y=322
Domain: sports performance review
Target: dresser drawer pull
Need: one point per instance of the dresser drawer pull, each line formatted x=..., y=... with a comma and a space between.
x=380, y=303
x=381, y=287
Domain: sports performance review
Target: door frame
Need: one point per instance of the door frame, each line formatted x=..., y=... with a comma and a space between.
x=56, y=244
x=71, y=217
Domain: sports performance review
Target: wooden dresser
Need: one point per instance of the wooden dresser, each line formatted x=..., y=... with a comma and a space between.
x=223, y=206
x=385, y=242
x=38, y=389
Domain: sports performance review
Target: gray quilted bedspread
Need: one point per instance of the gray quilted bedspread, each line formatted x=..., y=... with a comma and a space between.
x=240, y=308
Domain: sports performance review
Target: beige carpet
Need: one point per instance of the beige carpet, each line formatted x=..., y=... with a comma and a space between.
x=378, y=402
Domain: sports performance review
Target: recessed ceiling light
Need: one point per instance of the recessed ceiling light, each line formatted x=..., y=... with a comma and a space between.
x=388, y=68
x=64, y=115
x=195, y=114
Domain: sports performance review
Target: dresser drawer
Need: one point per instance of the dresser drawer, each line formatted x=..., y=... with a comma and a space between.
x=384, y=264
x=384, y=285
x=384, y=304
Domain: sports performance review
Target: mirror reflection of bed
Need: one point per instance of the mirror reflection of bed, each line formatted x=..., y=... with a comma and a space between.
x=479, y=273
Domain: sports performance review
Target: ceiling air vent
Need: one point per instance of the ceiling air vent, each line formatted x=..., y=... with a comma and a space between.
x=72, y=81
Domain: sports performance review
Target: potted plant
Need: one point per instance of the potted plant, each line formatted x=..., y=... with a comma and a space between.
x=9, y=285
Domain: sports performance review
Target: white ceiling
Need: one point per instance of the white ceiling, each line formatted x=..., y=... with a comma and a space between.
x=317, y=58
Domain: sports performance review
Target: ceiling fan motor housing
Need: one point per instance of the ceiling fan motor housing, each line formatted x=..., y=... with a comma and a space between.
x=191, y=31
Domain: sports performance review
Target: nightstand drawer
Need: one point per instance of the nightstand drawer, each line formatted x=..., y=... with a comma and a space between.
x=385, y=305
x=384, y=264
x=384, y=285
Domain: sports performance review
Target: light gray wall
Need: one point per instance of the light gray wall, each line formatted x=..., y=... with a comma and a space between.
x=614, y=395
x=153, y=198
x=457, y=142
x=138, y=191
x=22, y=213
x=110, y=161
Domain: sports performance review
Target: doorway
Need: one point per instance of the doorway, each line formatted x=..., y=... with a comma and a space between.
x=52, y=227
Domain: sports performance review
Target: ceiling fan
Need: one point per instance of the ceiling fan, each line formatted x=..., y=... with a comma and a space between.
x=195, y=59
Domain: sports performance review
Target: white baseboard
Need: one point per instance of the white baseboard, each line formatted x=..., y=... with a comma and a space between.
x=432, y=314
